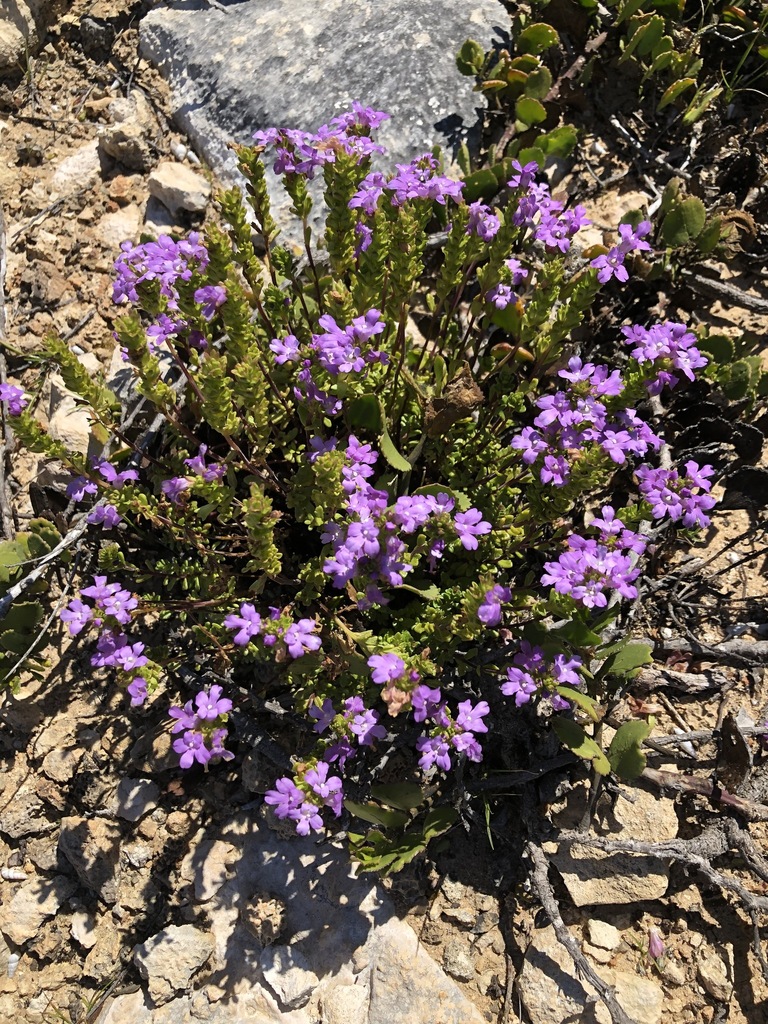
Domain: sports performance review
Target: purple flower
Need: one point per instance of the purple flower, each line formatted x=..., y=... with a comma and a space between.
x=111, y=475
x=489, y=611
x=434, y=750
x=210, y=297
x=500, y=296
x=387, y=668
x=165, y=261
x=286, y=798
x=105, y=516
x=365, y=726
x=523, y=176
x=426, y=702
x=610, y=264
x=137, y=690
x=76, y=615
x=191, y=747
x=248, y=624
x=211, y=705
x=300, y=638
x=469, y=526
x=285, y=350
x=470, y=718
x=323, y=715
x=108, y=648
x=130, y=656
x=79, y=487
x=218, y=736
x=656, y=946
x=671, y=495
x=185, y=718
x=198, y=466
x=328, y=789
x=15, y=397
x=174, y=488
x=482, y=221
x=520, y=685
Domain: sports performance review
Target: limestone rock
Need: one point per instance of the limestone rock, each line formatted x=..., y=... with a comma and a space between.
x=407, y=985
x=595, y=878
x=604, y=935
x=288, y=974
x=179, y=188
x=92, y=847
x=169, y=959
x=264, y=917
x=81, y=169
x=552, y=994
x=297, y=63
x=120, y=226
x=127, y=138
x=344, y=1004
x=713, y=975
x=33, y=903
x=457, y=961
x=208, y=864
x=22, y=24
x=83, y=928
x=135, y=798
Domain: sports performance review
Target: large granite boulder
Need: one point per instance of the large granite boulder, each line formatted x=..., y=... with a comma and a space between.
x=245, y=66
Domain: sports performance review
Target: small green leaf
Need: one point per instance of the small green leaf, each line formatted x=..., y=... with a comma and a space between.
x=480, y=185
x=439, y=820
x=387, y=447
x=652, y=34
x=470, y=58
x=539, y=83
x=625, y=754
x=699, y=104
x=365, y=412
x=377, y=815
x=577, y=633
x=441, y=373
x=637, y=29
x=537, y=38
x=403, y=795
x=573, y=736
x=736, y=383
x=583, y=700
x=526, y=63
x=628, y=660
x=671, y=195
x=627, y=9
x=530, y=111
x=684, y=222
x=719, y=346
x=532, y=153
x=559, y=142
x=710, y=236
x=676, y=89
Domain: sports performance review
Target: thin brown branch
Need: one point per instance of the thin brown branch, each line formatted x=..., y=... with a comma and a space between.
x=539, y=876
x=695, y=786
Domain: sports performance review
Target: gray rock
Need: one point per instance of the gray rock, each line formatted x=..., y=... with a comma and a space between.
x=345, y=1004
x=92, y=847
x=169, y=959
x=179, y=188
x=81, y=169
x=119, y=226
x=33, y=903
x=297, y=63
x=135, y=798
x=288, y=974
x=127, y=139
x=457, y=961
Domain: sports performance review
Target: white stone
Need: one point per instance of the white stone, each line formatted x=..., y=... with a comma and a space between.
x=288, y=974
x=171, y=957
x=83, y=928
x=179, y=188
x=713, y=975
x=135, y=798
x=81, y=169
x=604, y=935
x=120, y=226
x=33, y=903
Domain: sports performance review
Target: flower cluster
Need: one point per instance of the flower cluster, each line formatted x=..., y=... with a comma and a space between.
x=368, y=550
x=668, y=347
x=302, y=798
x=670, y=494
x=502, y=294
x=356, y=724
x=279, y=631
x=417, y=180
x=577, y=417
x=611, y=264
x=82, y=485
x=548, y=219
x=532, y=672
x=448, y=733
x=165, y=261
x=15, y=397
x=299, y=152
x=202, y=724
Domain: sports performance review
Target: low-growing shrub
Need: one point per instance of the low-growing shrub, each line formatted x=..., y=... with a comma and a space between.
x=388, y=494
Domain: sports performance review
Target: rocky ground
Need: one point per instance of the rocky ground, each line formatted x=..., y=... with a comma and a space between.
x=133, y=893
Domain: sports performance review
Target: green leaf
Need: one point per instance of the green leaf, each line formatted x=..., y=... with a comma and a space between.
x=684, y=222
x=719, y=346
x=626, y=10
x=628, y=660
x=638, y=28
x=525, y=63
x=525, y=156
x=736, y=384
x=23, y=617
x=387, y=447
x=480, y=185
x=441, y=373
x=377, y=815
x=439, y=820
x=625, y=754
x=577, y=633
x=573, y=736
x=671, y=195
x=652, y=34
x=699, y=104
x=470, y=58
x=559, y=142
x=462, y=500
x=403, y=795
x=536, y=38
x=538, y=83
x=529, y=110
x=365, y=412
x=583, y=700
x=710, y=236
x=676, y=89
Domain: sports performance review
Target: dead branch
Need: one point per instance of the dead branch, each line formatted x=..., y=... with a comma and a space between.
x=716, y=289
x=691, y=784
x=699, y=735
x=735, y=652
x=6, y=443
x=654, y=677
x=539, y=876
